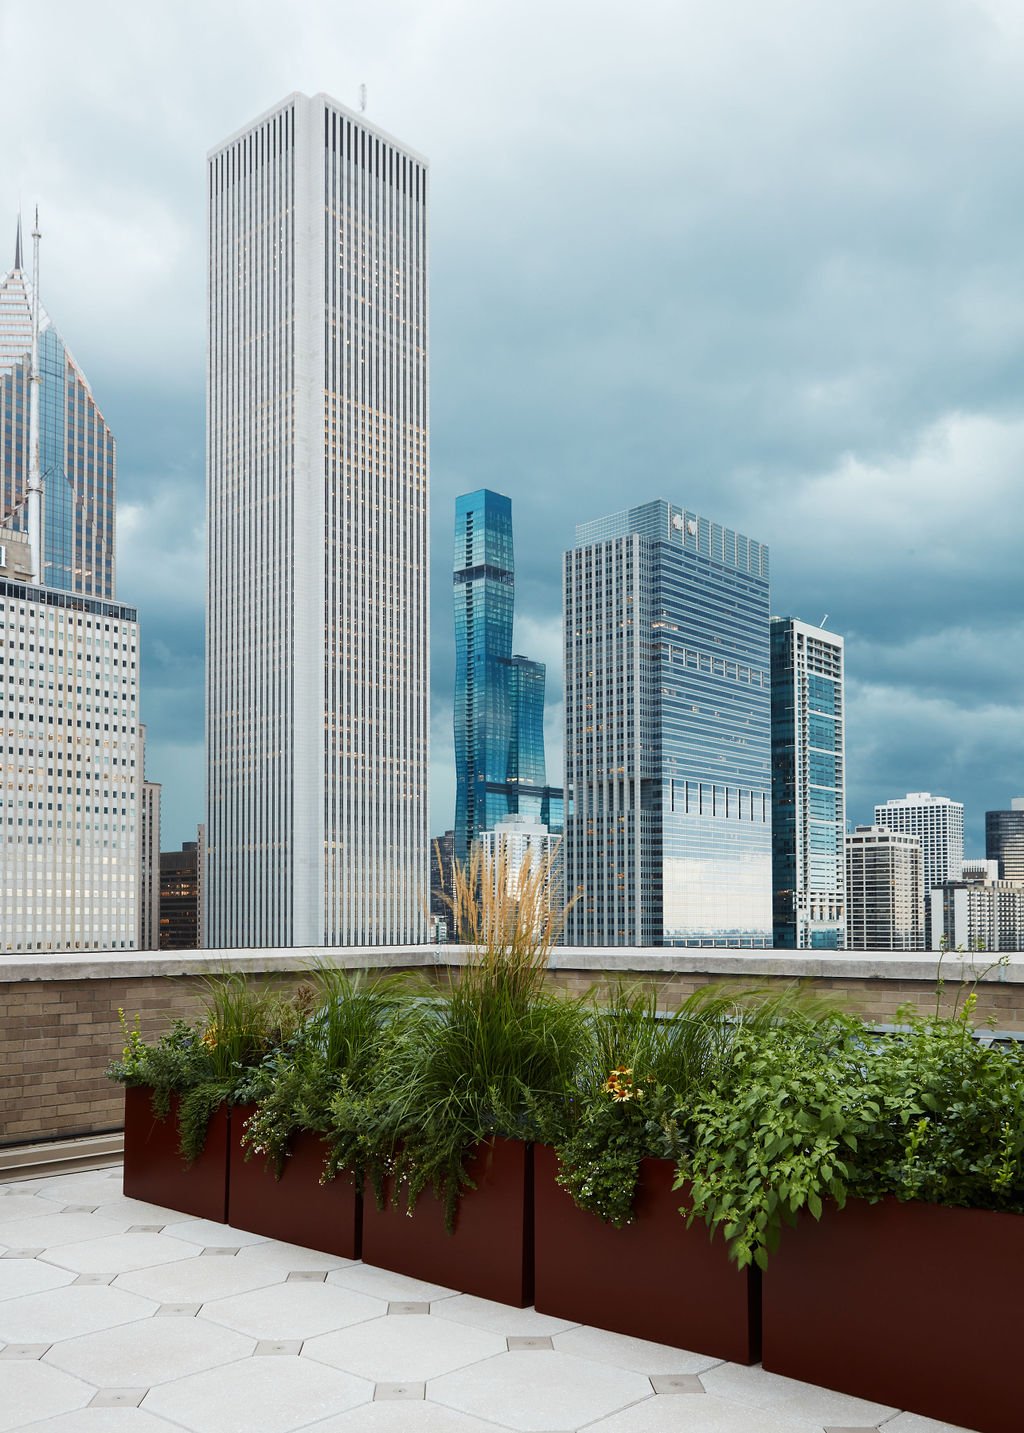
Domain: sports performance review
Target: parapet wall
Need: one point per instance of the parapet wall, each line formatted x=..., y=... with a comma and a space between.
x=59, y=1025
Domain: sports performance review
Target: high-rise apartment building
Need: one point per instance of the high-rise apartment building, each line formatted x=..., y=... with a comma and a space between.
x=500, y=767
x=983, y=916
x=1004, y=840
x=317, y=466
x=70, y=776
x=667, y=740
x=181, y=900
x=884, y=890
x=938, y=823
x=515, y=845
x=808, y=787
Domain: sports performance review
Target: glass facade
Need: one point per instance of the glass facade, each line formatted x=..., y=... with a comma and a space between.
x=808, y=787
x=499, y=698
x=667, y=732
x=1004, y=840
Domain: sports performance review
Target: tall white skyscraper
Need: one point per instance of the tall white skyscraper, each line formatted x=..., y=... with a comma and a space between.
x=938, y=823
x=317, y=470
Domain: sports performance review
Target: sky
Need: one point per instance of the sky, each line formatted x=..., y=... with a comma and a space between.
x=762, y=258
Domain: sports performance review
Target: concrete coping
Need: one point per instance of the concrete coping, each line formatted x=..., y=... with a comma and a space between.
x=656, y=963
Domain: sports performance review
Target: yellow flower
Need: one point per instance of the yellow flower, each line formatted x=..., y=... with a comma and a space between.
x=209, y=1037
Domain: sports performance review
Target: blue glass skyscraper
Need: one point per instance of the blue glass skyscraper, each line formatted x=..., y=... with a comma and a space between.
x=667, y=732
x=499, y=698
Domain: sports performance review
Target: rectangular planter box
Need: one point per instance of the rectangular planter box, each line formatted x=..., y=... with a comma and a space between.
x=490, y=1254
x=296, y=1208
x=154, y=1170
x=655, y=1279
x=911, y=1304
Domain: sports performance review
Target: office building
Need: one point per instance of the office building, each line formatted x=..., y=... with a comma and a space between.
x=978, y=916
x=516, y=843
x=938, y=823
x=442, y=855
x=884, y=890
x=181, y=902
x=148, y=937
x=975, y=871
x=1004, y=840
x=317, y=462
x=808, y=787
x=70, y=777
x=667, y=740
x=500, y=767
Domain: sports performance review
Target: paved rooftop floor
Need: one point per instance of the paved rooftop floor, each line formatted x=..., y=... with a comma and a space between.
x=122, y=1317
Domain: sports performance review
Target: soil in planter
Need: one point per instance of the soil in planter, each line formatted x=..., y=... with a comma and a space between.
x=490, y=1254
x=296, y=1208
x=655, y=1279
x=154, y=1171
x=913, y=1305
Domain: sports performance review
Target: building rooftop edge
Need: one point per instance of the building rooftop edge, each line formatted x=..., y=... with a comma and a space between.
x=358, y=116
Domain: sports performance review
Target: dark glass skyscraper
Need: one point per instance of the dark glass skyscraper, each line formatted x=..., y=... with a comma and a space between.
x=499, y=698
x=1004, y=840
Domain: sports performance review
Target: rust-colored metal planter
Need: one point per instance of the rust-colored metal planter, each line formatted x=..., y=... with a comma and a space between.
x=297, y=1207
x=655, y=1279
x=490, y=1254
x=911, y=1304
x=155, y=1171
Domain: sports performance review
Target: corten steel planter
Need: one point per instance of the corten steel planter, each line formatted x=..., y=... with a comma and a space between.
x=873, y=1300
x=491, y=1251
x=154, y=1170
x=655, y=1279
x=296, y=1208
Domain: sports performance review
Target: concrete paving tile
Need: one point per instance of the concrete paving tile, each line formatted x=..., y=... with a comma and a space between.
x=399, y=1392
x=403, y=1350
x=273, y=1395
x=636, y=1354
x=94, y=1278
x=499, y=1318
x=209, y=1235
x=408, y=1308
x=537, y=1391
x=148, y=1352
x=137, y=1211
x=671, y=1384
x=177, y=1310
x=291, y=1256
x=67, y=1313
x=27, y=1276
x=85, y=1188
x=528, y=1341
x=199, y=1280
x=789, y=1398
x=696, y=1415
x=24, y=1206
x=106, y=1420
x=383, y=1284
x=306, y=1276
x=917, y=1423
x=24, y=1350
x=403, y=1416
x=119, y=1253
x=28, y=1384
x=292, y=1310
x=271, y=1348
x=118, y=1398
x=14, y=1254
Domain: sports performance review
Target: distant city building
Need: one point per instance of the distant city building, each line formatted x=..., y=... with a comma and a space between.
x=808, y=787
x=500, y=767
x=181, y=881
x=71, y=784
x=1004, y=840
x=667, y=740
x=982, y=916
x=938, y=823
x=318, y=651
x=980, y=870
x=884, y=890
x=149, y=856
x=515, y=843
x=442, y=855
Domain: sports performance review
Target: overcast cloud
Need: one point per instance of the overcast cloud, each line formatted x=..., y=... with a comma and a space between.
x=760, y=257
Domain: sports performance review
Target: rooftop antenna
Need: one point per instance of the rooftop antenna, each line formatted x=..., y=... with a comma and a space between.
x=823, y=620
x=17, y=244
x=362, y=99
x=35, y=482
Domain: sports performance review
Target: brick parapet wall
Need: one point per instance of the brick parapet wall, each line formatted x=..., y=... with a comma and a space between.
x=59, y=1027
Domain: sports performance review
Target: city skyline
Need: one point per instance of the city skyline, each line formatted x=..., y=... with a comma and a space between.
x=850, y=364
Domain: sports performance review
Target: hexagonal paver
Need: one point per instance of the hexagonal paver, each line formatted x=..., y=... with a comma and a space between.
x=294, y=1310
x=88, y=1188
x=499, y=1318
x=29, y=1276
x=67, y=1313
x=409, y=1350
x=213, y=1236
x=789, y=1398
x=701, y=1415
x=274, y=1395
x=47, y=1231
x=151, y=1351
x=915, y=1423
x=383, y=1284
x=635, y=1354
x=106, y=1420
x=404, y=1417
x=137, y=1211
x=24, y=1206
x=45, y=1391
x=199, y=1280
x=537, y=1390
x=119, y=1253
x=292, y=1256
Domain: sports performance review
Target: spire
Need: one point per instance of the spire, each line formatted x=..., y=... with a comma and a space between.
x=17, y=244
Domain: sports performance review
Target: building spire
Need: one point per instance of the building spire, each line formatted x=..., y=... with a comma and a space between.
x=17, y=244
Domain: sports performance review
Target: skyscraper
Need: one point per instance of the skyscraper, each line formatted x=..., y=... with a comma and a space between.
x=667, y=743
x=500, y=768
x=317, y=466
x=808, y=787
x=1004, y=840
x=70, y=774
x=884, y=890
x=938, y=823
